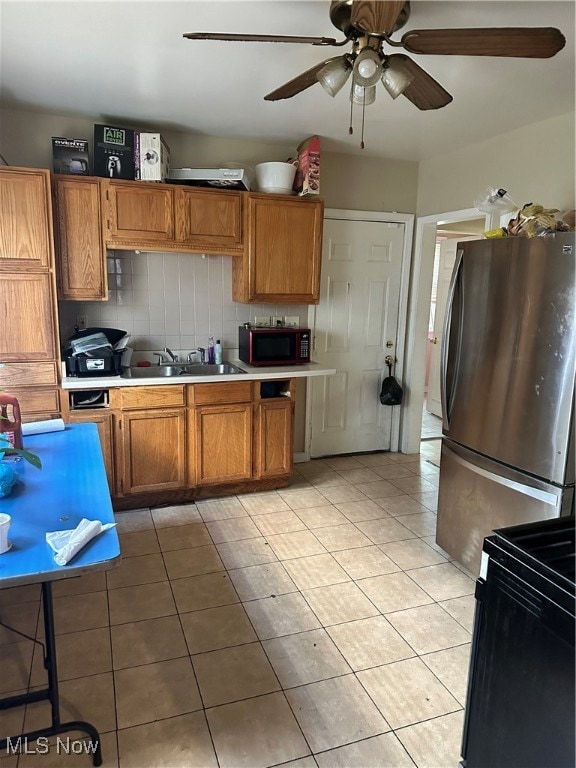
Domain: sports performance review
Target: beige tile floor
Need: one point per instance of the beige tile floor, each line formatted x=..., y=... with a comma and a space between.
x=318, y=625
x=431, y=425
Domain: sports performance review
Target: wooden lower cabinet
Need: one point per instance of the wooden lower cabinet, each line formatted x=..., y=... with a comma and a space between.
x=152, y=450
x=105, y=424
x=172, y=444
x=223, y=445
x=274, y=438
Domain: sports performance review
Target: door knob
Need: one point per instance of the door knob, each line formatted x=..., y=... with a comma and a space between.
x=434, y=340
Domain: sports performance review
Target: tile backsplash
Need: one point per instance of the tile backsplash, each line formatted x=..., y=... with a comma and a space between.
x=174, y=300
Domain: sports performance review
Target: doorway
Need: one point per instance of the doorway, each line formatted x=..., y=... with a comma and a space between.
x=447, y=239
x=359, y=321
x=454, y=224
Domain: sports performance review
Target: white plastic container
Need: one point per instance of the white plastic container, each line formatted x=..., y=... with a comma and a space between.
x=275, y=178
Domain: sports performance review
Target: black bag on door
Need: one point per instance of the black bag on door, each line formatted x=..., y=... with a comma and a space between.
x=391, y=392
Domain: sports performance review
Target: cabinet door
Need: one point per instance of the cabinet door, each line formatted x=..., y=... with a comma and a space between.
x=80, y=252
x=153, y=450
x=138, y=212
x=209, y=219
x=27, y=320
x=104, y=423
x=223, y=443
x=282, y=261
x=274, y=435
x=25, y=219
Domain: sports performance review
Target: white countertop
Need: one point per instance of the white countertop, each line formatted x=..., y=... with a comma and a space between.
x=253, y=373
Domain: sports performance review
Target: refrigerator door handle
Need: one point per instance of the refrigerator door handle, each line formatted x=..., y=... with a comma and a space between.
x=445, y=396
x=535, y=493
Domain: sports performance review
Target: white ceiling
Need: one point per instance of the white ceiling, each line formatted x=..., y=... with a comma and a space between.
x=128, y=62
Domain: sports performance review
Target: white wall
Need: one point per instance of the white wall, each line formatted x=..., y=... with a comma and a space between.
x=535, y=164
x=347, y=181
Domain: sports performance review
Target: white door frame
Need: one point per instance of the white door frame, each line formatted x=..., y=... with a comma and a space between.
x=418, y=315
x=387, y=218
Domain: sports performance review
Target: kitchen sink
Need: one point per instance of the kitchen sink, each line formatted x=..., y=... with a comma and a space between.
x=209, y=369
x=170, y=371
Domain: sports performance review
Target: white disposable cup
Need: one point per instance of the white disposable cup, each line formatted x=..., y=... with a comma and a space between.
x=5, y=521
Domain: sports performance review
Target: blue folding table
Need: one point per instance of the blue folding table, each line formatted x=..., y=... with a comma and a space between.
x=70, y=486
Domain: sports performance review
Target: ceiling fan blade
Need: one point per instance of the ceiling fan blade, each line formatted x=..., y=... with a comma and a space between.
x=536, y=42
x=423, y=91
x=376, y=18
x=260, y=38
x=299, y=83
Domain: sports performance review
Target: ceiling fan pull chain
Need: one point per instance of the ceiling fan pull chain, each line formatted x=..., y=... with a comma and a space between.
x=363, y=111
x=351, y=129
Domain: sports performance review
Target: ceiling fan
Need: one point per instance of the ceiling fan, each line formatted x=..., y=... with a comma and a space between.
x=368, y=25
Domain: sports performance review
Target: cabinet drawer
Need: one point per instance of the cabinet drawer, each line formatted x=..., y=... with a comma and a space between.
x=33, y=401
x=224, y=392
x=27, y=374
x=151, y=397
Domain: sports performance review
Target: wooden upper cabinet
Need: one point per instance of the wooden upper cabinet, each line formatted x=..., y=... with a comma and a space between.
x=209, y=219
x=25, y=219
x=137, y=213
x=281, y=264
x=27, y=327
x=80, y=251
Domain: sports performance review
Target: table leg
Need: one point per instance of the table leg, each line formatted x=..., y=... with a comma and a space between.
x=51, y=693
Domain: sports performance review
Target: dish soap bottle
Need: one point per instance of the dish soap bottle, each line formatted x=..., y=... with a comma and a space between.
x=211, y=350
x=218, y=352
x=10, y=422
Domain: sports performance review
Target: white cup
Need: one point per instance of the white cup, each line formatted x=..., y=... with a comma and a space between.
x=5, y=521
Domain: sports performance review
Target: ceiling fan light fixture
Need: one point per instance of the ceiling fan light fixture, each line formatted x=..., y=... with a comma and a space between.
x=363, y=96
x=395, y=77
x=367, y=67
x=333, y=76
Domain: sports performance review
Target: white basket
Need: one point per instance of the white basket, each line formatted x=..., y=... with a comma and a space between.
x=276, y=178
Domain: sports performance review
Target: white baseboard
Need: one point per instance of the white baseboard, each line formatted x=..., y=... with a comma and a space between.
x=301, y=457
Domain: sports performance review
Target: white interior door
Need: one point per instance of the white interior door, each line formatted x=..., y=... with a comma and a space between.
x=447, y=259
x=355, y=319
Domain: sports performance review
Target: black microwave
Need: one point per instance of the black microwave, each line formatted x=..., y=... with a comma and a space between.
x=273, y=346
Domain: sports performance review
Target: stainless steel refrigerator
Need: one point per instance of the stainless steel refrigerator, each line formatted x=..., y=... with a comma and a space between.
x=507, y=387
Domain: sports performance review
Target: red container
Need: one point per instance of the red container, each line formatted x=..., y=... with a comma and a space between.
x=10, y=421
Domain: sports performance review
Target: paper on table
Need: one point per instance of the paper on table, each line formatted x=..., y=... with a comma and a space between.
x=40, y=427
x=66, y=544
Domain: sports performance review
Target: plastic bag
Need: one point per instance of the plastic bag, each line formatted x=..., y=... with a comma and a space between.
x=495, y=200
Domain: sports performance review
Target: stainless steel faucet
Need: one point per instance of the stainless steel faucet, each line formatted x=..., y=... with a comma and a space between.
x=171, y=354
x=202, y=352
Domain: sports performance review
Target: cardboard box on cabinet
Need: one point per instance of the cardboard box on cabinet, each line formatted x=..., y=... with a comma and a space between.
x=151, y=156
x=113, y=152
x=70, y=156
x=307, y=179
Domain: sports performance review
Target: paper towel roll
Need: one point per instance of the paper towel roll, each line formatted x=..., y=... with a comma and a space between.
x=39, y=427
